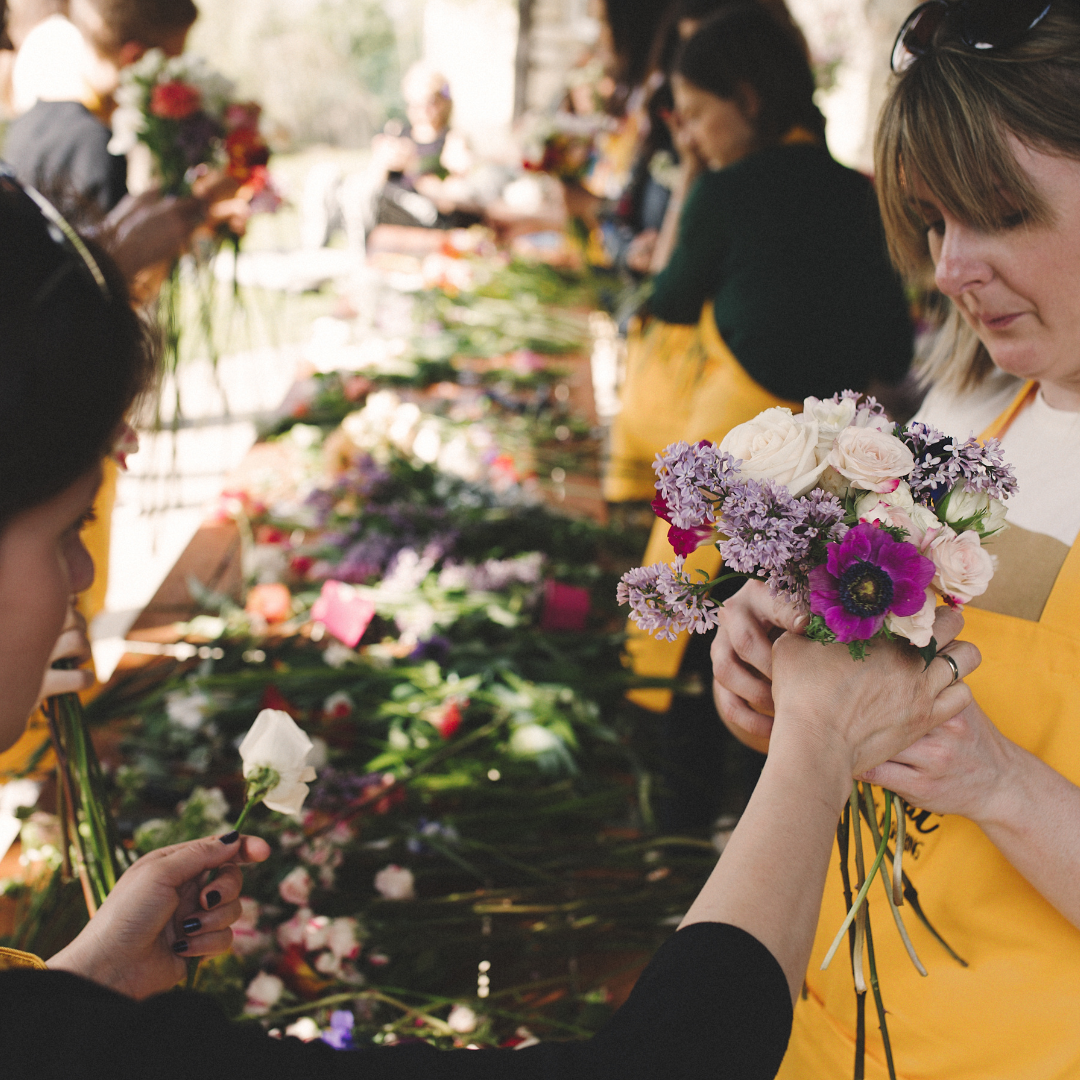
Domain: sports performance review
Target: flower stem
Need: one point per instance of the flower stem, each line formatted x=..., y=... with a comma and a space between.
x=878, y=1002
x=898, y=858
x=860, y=919
x=876, y=865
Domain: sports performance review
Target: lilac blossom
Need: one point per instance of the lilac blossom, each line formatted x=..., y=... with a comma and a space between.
x=691, y=480
x=942, y=462
x=664, y=601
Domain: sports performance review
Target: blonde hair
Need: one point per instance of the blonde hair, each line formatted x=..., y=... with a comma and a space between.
x=948, y=120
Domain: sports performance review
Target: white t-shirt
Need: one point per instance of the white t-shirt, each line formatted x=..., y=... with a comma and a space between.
x=1042, y=445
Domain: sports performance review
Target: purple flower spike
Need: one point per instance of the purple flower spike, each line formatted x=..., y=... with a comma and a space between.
x=867, y=576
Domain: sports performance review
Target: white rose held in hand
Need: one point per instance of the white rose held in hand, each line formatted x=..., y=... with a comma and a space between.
x=777, y=446
x=871, y=460
x=275, y=749
x=964, y=566
x=975, y=510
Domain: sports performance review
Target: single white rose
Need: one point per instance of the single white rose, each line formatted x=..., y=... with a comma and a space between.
x=989, y=515
x=396, y=883
x=316, y=932
x=295, y=887
x=291, y=932
x=964, y=567
x=917, y=628
x=926, y=527
x=831, y=420
x=276, y=742
x=777, y=446
x=871, y=460
x=900, y=498
x=462, y=1020
x=263, y=993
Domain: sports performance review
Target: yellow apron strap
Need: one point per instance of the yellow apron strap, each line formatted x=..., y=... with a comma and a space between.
x=725, y=397
x=1002, y=424
x=13, y=959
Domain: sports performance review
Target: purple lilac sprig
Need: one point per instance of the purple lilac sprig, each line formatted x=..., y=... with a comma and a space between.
x=942, y=462
x=665, y=601
x=692, y=481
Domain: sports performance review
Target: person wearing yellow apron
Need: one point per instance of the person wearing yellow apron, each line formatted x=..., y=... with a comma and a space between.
x=995, y=804
x=777, y=288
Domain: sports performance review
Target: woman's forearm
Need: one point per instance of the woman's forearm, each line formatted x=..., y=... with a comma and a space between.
x=771, y=877
x=1034, y=821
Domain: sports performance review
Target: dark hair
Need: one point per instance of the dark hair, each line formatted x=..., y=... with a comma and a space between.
x=71, y=361
x=111, y=24
x=633, y=25
x=744, y=47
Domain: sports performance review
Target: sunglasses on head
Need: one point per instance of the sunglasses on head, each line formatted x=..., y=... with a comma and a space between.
x=980, y=24
x=19, y=198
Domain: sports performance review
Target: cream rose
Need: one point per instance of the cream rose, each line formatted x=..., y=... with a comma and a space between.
x=831, y=420
x=917, y=628
x=871, y=460
x=963, y=506
x=777, y=446
x=964, y=567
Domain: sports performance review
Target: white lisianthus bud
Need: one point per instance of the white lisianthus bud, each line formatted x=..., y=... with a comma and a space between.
x=777, y=446
x=964, y=567
x=396, y=883
x=985, y=515
x=276, y=742
x=871, y=460
x=917, y=628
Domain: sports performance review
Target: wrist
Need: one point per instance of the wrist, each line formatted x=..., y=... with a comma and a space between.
x=804, y=757
x=1000, y=800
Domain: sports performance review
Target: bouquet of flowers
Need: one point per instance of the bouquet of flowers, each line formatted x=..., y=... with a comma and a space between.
x=187, y=115
x=866, y=524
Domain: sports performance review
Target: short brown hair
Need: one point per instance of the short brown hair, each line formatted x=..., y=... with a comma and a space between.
x=947, y=120
x=110, y=24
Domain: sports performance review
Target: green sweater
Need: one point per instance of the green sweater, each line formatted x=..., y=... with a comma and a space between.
x=788, y=244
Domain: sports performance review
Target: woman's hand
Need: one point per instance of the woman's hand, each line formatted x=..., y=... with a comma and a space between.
x=73, y=644
x=742, y=657
x=961, y=767
x=163, y=911
x=639, y=254
x=852, y=716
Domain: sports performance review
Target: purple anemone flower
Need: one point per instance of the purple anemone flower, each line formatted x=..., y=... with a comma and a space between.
x=867, y=576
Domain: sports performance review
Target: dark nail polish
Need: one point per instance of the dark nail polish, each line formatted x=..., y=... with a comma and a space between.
x=213, y=898
x=180, y=946
x=230, y=838
x=191, y=926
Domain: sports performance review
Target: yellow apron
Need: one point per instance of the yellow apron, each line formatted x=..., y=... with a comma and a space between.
x=12, y=960
x=1014, y=1013
x=683, y=382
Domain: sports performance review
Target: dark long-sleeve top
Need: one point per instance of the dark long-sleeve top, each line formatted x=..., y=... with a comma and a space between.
x=713, y=1004
x=62, y=149
x=789, y=246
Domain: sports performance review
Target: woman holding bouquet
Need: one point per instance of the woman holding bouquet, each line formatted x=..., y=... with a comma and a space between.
x=716, y=1000
x=978, y=164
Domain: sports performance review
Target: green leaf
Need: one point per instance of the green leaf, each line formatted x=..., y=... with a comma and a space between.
x=818, y=630
x=858, y=649
x=928, y=652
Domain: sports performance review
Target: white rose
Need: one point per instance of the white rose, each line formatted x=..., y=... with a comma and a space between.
x=926, y=527
x=777, y=446
x=917, y=628
x=831, y=420
x=901, y=498
x=276, y=742
x=961, y=506
x=871, y=460
x=263, y=993
x=396, y=883
x=342, y=939
x=964, y=567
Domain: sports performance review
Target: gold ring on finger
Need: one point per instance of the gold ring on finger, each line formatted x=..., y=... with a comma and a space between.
x=955, y=668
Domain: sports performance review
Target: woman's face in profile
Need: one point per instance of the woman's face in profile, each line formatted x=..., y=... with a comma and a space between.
x=716, y=129
x=1018, y=287
x=42, y=564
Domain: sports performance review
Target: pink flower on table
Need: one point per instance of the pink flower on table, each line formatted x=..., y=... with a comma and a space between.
x=395, y=882
x=449, y=719
x=248, y=939
x=295, y=888
x=867, y=576
x=290, y=934
x=263, y=993
x=566, y=607
x=344, y=612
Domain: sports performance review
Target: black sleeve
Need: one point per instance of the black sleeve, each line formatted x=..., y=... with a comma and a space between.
x=693, y=271
x=713, y=1004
